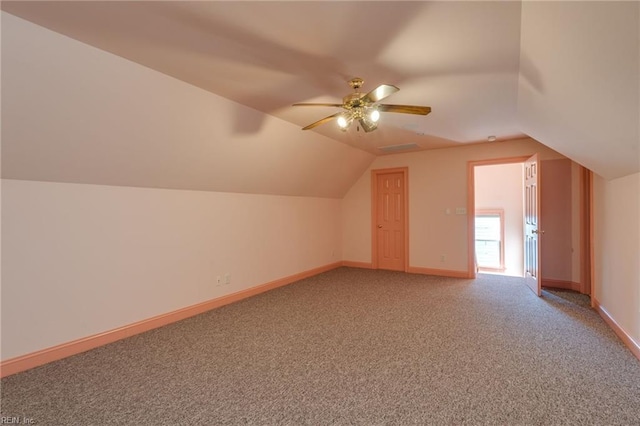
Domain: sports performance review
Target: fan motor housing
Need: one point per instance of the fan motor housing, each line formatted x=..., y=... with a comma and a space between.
x=353, y=100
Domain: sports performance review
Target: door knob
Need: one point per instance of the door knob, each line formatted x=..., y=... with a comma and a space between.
x=379, y=226
x=535, y=231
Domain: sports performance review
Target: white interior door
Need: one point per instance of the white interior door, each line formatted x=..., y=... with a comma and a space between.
x=390, y=218
x=532, y=230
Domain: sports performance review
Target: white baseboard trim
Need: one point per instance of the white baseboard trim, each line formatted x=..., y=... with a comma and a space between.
x=623, y=335
x=438, y=272
x=560, y=284
x=413, y=270
x=352, y=264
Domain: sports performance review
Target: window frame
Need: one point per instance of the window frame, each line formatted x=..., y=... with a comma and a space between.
x=493, y=212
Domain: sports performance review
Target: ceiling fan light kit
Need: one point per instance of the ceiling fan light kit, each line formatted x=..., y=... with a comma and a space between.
x=364, y=108
x=367, y=117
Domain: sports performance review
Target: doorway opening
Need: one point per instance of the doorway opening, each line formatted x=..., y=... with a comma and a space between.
x=498, y=222
x=565, y=246
x=492, y=178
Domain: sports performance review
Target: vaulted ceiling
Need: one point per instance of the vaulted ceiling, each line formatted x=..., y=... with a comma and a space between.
x=564, y=73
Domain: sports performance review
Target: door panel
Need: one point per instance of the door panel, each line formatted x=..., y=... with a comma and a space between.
x=532, y=231
x=390, y=221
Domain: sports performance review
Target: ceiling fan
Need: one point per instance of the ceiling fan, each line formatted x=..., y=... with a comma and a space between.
x=364, y=108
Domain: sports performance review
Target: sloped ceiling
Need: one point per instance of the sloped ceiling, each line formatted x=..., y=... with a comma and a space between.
x=579, y=88
x=486, y=68
x=72, y=113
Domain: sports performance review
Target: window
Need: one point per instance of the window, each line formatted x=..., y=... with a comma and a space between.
x=490, y=239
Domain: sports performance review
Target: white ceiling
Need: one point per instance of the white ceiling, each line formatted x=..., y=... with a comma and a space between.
x=463, y=59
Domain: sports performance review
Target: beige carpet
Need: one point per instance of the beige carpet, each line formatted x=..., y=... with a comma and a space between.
x=350, y=347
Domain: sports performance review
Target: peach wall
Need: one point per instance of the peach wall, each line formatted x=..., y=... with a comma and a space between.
x=437, y=181
x=501, y=186
x=83, y=259
x=617, y=250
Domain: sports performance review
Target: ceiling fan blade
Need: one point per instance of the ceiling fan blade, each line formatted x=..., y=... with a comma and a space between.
x=379, y=93
x=405, y=109
x=318, y=104
x=324, y=120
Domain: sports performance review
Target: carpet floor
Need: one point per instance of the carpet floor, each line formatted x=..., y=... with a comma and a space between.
x=353, y=347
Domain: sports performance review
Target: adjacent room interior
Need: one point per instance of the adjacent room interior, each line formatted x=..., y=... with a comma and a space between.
x=499, y=226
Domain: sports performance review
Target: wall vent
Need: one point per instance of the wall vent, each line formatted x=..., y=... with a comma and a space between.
x=395, y=148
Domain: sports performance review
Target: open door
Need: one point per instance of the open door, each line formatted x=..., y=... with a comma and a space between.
x=532, y=231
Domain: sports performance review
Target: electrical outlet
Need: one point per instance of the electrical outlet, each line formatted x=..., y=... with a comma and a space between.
x=227, y=279
x=219, y=280
x=443, y=258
